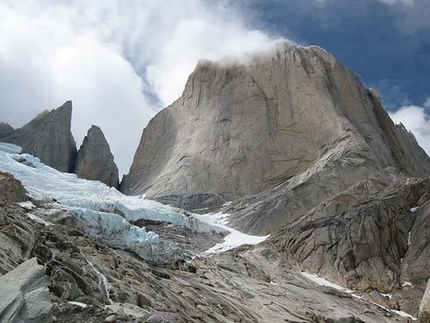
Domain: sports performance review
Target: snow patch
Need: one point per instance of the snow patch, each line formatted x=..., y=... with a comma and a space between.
x=27, y=205
x=414, y=209
x=387, y=295
x=234, y=238
x=82, y=305
x=323, y=282
x=404, y=284
x=37, y=219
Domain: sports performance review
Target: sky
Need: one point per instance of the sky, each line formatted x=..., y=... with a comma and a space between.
x=122, y=61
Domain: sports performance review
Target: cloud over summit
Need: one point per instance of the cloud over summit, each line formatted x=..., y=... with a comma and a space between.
x=113, y=58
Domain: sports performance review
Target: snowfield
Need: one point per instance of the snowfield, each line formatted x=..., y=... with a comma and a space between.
x=234, y=239
x=104, y=212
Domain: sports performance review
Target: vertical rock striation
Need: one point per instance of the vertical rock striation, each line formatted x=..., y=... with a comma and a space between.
x=278, y=133
x=48, y=137
x=95, y=160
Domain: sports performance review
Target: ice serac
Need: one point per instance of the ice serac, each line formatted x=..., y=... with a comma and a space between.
x=95, y=160
x=277, y=134
x=48, y=137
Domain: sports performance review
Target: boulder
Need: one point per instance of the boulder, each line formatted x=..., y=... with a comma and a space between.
x=48, y=137
x=24, y=294
x=95, y=160
x=17, y=237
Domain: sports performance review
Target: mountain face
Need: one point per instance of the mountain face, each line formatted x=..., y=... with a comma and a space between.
x=277, y=134
x=95, y=160
x=48, y=137
x=5, y=129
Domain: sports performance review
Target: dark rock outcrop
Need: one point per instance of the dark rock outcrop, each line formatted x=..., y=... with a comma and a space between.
x=285, y=131
x=5, y=129
x=95, y=160
x=11, y=189
x=49, y=138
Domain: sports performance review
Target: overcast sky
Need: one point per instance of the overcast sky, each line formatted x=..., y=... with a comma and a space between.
x=121, y=61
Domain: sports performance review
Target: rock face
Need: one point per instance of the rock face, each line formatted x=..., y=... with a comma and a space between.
x=24, y=294
x=5, y=129
x=425, y=306
x=48, y=137
x=359, y=237
x=291, y=123
x=11, y=189
x=95, y=160
x=415, y=266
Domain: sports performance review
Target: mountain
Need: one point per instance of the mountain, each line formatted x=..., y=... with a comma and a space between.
x=95, y=160
x=277, y=134
x=310, y=204
x=5, y=129
x=48, y=136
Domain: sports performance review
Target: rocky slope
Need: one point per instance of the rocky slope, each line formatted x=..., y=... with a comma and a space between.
x=91, y=282
x=283, y=131
x=48, y=137
x=95, y=160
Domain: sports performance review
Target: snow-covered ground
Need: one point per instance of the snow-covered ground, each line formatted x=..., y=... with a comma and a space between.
x=96, y=206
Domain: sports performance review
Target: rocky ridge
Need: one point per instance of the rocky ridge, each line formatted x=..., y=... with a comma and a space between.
x=49, y=137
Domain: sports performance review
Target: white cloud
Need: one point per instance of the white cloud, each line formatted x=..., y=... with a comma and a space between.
x=415, y=119
x=427, y=103
x=107, y=56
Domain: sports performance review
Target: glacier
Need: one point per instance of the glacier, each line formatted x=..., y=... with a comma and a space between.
x=105, y=213
x=95, y=205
